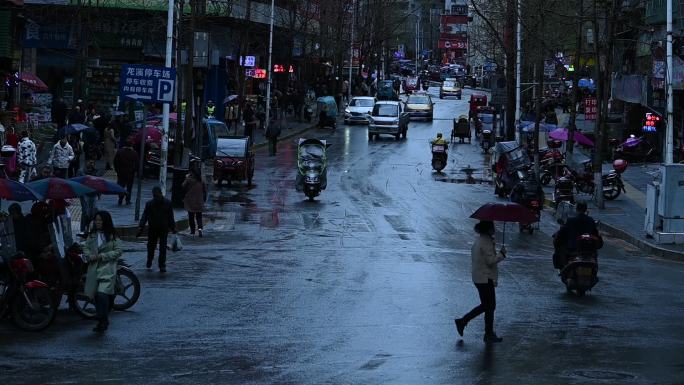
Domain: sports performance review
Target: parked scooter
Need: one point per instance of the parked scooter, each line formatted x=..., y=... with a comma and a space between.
x=486, y=140
x=530, y=194
x=312, y=167
x=126, y=290
x=633, y=149
x=26, y=301
x=612, y=181
x=439, y=156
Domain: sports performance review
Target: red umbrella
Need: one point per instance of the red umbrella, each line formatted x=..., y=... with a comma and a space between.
x=504, y=212
x=33, y=81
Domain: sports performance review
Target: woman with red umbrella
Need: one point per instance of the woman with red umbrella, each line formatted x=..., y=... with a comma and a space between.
x=485, y=275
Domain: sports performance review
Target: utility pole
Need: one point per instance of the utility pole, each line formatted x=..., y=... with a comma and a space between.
x=669, y=131
x=570, y=144
x=269, y=71
x=189, y=81
x=518, y=65
x=351, y=52
x=166, y=108
x=180, y=107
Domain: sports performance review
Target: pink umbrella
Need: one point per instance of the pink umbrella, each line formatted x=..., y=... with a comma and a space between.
x=562, y=134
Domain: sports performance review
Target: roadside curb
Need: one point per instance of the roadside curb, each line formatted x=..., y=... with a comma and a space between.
x=288, y=136
x=132, y=230
x=647, y=247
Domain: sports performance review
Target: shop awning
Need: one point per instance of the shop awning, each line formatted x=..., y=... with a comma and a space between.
x=32, y=81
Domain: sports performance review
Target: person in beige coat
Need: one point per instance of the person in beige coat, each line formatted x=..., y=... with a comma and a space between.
x=103, y=250
x=195, y=195
x=485, y=275
x=109, y=147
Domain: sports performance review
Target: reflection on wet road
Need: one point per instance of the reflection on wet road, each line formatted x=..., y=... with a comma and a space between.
x=362, y=285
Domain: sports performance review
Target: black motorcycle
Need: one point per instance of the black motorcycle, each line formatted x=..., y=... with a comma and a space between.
x=486, y=140
x=530, y=194
x=580, y=273
x=27, y=302
x=312, y=167
x=439, y=156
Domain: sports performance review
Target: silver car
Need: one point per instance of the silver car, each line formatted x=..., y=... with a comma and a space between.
x=388, y=118
x=358, y=109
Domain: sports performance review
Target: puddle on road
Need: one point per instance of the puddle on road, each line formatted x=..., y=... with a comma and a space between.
x=240, y=198
x=602, y=375
x=464, y=180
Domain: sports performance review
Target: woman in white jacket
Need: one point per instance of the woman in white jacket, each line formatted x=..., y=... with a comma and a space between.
x=485, y=275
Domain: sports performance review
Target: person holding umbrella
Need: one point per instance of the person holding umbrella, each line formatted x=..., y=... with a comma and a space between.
x=485, y=275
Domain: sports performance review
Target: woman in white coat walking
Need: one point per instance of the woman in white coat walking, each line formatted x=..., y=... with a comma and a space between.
x=485, y=275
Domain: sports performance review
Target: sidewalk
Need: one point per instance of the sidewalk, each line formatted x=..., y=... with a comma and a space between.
x=124, y=215
x=624, y=217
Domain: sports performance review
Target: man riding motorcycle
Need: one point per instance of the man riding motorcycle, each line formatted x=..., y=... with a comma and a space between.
x=440, y=140
x=565, y=240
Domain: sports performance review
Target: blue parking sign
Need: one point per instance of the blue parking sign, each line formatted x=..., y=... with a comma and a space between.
x=147, y=83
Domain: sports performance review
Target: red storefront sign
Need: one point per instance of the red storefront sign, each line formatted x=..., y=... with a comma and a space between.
x=590, y=107
x=452, y=44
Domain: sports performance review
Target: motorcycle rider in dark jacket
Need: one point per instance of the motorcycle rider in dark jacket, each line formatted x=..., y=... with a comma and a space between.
x=565, y=240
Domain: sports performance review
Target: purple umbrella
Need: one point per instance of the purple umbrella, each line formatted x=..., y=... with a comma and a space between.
x=562, y=134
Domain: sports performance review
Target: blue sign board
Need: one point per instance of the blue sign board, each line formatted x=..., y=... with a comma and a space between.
x=147, y=83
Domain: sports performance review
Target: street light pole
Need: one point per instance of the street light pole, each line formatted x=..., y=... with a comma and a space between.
x=163, y=156
x=669, y=132
x=269, y=70
x=518, y=65
x=351, y=52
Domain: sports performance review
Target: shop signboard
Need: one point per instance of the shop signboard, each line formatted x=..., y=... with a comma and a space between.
x=590, y=109
x=147, y=83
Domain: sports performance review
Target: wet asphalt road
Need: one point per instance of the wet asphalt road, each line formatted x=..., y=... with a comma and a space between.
x=362, y=286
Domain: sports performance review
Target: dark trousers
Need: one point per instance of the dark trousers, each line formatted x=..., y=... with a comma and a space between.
x=154, y=238
x=249, y=129
x=59, y=172
x=191, y=219
x=487, y=305
x=74, y=166
x=128, y=185
x=272, y=145
x=103, y=303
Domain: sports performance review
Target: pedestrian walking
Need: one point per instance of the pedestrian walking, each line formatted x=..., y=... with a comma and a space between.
x=75, y=164
x=77, y=116
x=248, y=116
x=126, y=165
x=485, y=275
x=26, y=158
x=103, y=250
x=60, y=156
x=88, y=202
x=195, y=195
x=230, y=116
x=272, y=133
x=109, y=147
x=159, y=215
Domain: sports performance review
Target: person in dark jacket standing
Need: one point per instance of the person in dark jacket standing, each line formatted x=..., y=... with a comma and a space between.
x=159, y=215
x=248, y=117
x=125, y=165
x=272, y=133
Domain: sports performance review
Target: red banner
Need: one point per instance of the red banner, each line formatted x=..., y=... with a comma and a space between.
x=452, y=44
x=590, y=109
x=454, y=19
